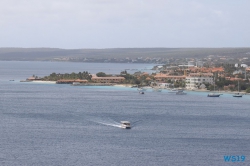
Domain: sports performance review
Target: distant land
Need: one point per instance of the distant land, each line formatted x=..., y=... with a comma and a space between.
x=123, y=55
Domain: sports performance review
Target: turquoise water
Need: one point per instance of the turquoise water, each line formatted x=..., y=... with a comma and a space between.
x=50, y=124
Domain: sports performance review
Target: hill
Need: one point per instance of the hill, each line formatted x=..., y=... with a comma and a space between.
x=51, y=54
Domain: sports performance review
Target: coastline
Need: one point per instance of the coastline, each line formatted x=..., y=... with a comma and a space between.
x=45, y=82
x=130, y=86
x=219, y=92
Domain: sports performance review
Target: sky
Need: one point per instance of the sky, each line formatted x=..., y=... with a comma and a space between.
x=74, y=24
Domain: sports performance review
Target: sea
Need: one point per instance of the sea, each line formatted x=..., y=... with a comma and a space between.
x=44, y=124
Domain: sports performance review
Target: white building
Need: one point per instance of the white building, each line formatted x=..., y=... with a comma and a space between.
x=244, y=65
x=191, y=63
x=199, y=63
x=196, y=82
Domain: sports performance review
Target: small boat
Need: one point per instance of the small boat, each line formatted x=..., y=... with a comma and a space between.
x=141, y=89
x=175, y=90
x=213, y=95
x=141, y=92
x=180, y=93
x=125, y=125
x=157, y=90
x=76, y=83
x=238, y=94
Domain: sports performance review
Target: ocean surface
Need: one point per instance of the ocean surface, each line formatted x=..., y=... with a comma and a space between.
x=54, y=124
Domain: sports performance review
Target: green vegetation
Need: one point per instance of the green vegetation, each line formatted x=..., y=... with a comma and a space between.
x=73, y=76
x=101, y=74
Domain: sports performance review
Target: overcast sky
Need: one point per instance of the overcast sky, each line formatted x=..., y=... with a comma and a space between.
x=124, y=23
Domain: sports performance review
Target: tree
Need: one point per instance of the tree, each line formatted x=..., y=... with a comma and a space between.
x=101, y=74
x=248, y=90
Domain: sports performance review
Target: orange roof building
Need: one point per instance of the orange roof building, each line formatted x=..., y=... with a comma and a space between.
x=108, y=79
x=160, y=77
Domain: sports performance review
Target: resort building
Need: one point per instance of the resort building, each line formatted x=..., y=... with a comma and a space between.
x=163, y=77
x=108, y=79
x=64, y=81
x=194, y=82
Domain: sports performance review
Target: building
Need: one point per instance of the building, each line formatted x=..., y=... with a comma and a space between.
x=163, y=77
x=191, y=63
x=194, y=82
x=244, y=65
x=199, y=63
x=108, y=79
x=201, y=74
x=64, y=81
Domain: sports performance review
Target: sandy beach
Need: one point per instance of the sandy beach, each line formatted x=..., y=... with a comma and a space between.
x=124, y=85
x=46, y=82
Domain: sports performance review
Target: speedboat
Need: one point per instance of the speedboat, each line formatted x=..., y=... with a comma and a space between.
x=125, y=125
x=213, y=95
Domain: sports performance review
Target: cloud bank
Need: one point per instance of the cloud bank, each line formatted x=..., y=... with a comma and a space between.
x=119, y=24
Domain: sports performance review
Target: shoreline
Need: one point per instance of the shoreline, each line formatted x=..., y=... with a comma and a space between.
x=130, y=86
x=46, y=82
x=219, y=92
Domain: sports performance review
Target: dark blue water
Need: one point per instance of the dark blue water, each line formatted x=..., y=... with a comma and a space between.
x=50, y=124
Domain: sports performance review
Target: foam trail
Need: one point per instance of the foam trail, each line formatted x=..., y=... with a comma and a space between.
x=110, y=124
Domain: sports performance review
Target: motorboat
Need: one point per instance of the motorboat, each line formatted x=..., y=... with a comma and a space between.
x=157, y=90
x=213, y=95
x=125, y=125
x=174, y=90
x=180, y=93
x=141, y=92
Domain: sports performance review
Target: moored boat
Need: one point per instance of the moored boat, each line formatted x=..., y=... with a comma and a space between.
x=213, y=95
x=180, y=93
x=238, y=94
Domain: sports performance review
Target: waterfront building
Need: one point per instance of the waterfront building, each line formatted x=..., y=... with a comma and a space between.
x=65, y=81
x=161, y=77
x=194, y=82
x=108, y=79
